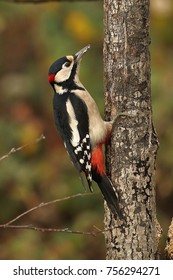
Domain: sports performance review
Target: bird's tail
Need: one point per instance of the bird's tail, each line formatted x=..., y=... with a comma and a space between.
x=109, y=195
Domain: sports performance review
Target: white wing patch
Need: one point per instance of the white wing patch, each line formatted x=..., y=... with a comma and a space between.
x=73, y=124
x=83, y=153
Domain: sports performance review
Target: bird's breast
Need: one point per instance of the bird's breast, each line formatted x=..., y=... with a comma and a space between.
x=97, y=127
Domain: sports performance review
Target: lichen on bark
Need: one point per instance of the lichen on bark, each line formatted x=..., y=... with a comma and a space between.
x=132, y=152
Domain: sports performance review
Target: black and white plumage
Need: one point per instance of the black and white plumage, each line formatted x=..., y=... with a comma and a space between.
x=80, y=125
x=74, y=133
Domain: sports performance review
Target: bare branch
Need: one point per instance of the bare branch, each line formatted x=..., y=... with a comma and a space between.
x=94, y=232
x=65, y=230
x=44, y=204
x=9, y=225
x=14, y=150
x=44, y=1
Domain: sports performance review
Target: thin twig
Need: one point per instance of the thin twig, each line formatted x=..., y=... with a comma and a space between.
x=9, y=225
x=93, y=232
x=14, y=150
x=40, y=229
x=44, y=204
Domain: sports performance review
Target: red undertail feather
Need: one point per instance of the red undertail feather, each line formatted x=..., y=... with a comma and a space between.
x=97, y=160
x=105, y=185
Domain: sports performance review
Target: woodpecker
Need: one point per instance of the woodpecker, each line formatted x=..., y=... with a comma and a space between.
x=80, y=125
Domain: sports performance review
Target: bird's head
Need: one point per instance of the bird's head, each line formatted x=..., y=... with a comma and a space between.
x=64, y=71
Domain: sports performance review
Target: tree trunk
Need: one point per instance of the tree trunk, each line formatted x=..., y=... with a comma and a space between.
x=132, y=152
x=169, y=243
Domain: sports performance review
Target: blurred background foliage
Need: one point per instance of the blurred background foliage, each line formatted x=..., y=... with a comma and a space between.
x=32, y=37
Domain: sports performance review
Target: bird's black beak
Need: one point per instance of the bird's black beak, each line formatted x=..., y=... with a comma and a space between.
x=79, y=54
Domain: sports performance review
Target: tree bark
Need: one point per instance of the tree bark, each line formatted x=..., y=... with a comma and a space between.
x=132, y=152
x=169, y=243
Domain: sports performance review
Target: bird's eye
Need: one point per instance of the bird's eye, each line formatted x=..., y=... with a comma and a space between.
x=67, y=64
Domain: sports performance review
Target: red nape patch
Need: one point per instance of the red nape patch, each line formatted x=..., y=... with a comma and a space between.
x=51, y=78
x=97, y=160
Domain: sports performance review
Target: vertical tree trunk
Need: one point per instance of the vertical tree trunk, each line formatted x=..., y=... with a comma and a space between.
x=169, y=243
x=132, y=152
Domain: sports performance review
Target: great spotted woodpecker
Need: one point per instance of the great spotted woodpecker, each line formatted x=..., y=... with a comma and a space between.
x=80, y=125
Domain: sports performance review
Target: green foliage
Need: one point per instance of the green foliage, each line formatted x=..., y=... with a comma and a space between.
x=32, y=37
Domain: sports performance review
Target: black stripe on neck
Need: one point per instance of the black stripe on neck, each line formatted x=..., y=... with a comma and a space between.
x=69, y=86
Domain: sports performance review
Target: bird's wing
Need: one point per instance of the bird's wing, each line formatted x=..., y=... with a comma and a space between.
x=80, y=140
x=73, y=125
x=74, y=160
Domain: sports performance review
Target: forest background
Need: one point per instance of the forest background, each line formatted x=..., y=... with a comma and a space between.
x=31, y=38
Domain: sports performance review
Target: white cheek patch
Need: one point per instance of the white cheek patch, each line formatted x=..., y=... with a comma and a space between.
x=63, y=74
x=73, y=124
